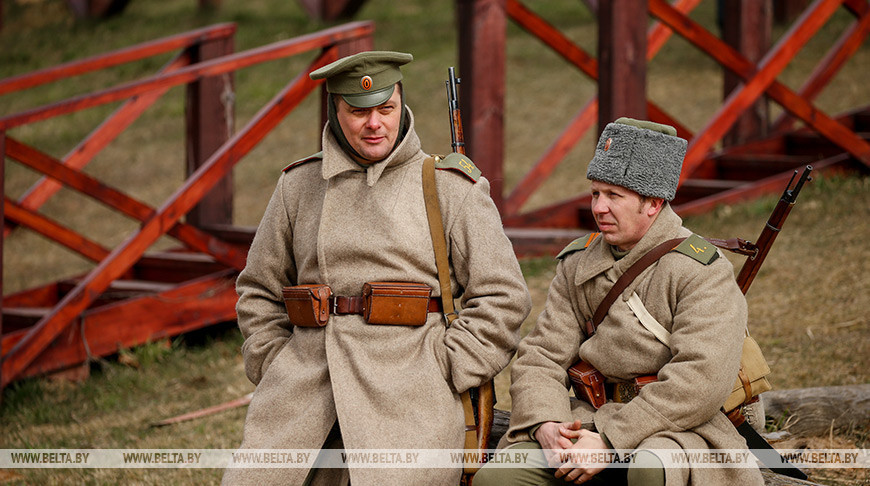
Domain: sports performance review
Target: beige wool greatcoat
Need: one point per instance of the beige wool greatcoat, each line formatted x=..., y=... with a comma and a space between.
x=336, y=222
x=700, y=305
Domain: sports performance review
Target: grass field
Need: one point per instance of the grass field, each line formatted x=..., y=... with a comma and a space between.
x=808, y=305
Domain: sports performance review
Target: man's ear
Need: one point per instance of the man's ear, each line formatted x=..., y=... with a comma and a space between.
x=655, y=205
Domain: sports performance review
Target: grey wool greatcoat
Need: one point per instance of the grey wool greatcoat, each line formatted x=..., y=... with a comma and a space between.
x=705, y=312
x=333, y=221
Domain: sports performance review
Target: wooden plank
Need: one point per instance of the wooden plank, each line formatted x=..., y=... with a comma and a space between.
x=753, y=190
x=482, y=36
x=174, y=266
x=842, y=50
x=742, y=97
x=532, y=242
x=54, y=231
x=565, y=214
x=42, y=296
x=17, y=318
x=749, y=167
x=114, y=58
x=232, y=255
x=97, y=140
x=193, y=305
x=798, y=106
x=621, y=60
x=746, y=26
x=209, y=118
x=239, y=60
x=125, y=255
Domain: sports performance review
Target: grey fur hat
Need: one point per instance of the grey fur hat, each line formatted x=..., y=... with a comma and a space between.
x=640, y=155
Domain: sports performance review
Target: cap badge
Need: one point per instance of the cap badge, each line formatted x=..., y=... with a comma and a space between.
x=607, y=144
x=365, y=83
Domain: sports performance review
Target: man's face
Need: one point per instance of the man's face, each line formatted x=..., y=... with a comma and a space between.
x=372, y=132
x=622, y=215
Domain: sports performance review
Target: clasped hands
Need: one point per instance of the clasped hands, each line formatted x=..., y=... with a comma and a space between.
x=555, y=437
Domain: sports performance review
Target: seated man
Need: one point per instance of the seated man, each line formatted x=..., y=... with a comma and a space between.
x=690, y=291
x=353, y=217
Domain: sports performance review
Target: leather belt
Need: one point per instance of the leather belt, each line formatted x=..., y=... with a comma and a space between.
x=356, y=305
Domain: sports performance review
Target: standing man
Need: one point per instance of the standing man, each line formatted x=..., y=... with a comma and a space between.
x=690, y=292
x=348, y=216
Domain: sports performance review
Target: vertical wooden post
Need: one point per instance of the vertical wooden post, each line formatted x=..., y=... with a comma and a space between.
x=210, y=114
x=746, y=27
x=622, y=26
x=785, y=11
x=482, y=35
x=2, y=223
x=344, y=49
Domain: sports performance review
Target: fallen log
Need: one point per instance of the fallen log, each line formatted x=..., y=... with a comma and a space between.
x=501, y=419
x=821, y=410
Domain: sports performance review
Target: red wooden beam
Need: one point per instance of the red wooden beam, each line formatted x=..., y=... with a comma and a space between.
x=794, y=103
x=621, y=59
x=209, y=118
x=239, y=60
x=587, y=115
x=754, y=189
x=742, y=97
x=3, y=181
x=551, y=159
x=97, y=140
x=54, y=231
x=746, y=26
x=482, y=35
x=114, y=58
x=187, y=307
x=840, y=52
x=231, y=255
x=125, y=255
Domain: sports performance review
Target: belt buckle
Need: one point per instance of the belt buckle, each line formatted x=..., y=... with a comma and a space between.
x=334, y=308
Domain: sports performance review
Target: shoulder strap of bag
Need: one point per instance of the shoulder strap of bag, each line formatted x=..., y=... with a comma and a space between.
x=439, y=243
x=626, y=278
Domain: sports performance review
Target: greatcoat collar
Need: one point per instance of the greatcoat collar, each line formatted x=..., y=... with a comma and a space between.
x=337, y=161
x=598, y=258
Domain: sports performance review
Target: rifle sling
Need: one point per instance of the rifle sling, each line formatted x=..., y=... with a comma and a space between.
x=626, y=278
x=439, y=243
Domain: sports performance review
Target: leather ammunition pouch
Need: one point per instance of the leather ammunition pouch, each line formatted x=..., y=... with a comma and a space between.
x=396, y=303
x=588, y=383
x=307, y=305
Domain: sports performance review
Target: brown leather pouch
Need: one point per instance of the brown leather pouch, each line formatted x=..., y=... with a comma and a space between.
x=396, y=303
x=307, y=305
x=588, y=383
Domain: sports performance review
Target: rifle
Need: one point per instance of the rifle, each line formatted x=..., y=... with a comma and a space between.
x=457, y=139
x=483, y=396
x=771, y=229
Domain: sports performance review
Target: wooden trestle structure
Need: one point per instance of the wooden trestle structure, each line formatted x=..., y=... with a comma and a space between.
x=131, y=296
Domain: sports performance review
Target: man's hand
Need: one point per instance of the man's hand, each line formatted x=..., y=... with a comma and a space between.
x=551, y=436
x=560, y=436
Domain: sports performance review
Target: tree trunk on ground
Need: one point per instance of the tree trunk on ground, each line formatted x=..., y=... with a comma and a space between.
x=820, y=411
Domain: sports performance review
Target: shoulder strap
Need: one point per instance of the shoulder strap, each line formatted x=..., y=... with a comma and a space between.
x=626, y=278
x=439, y=243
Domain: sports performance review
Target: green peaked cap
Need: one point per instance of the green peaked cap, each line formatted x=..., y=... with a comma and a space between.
x=365, y=79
